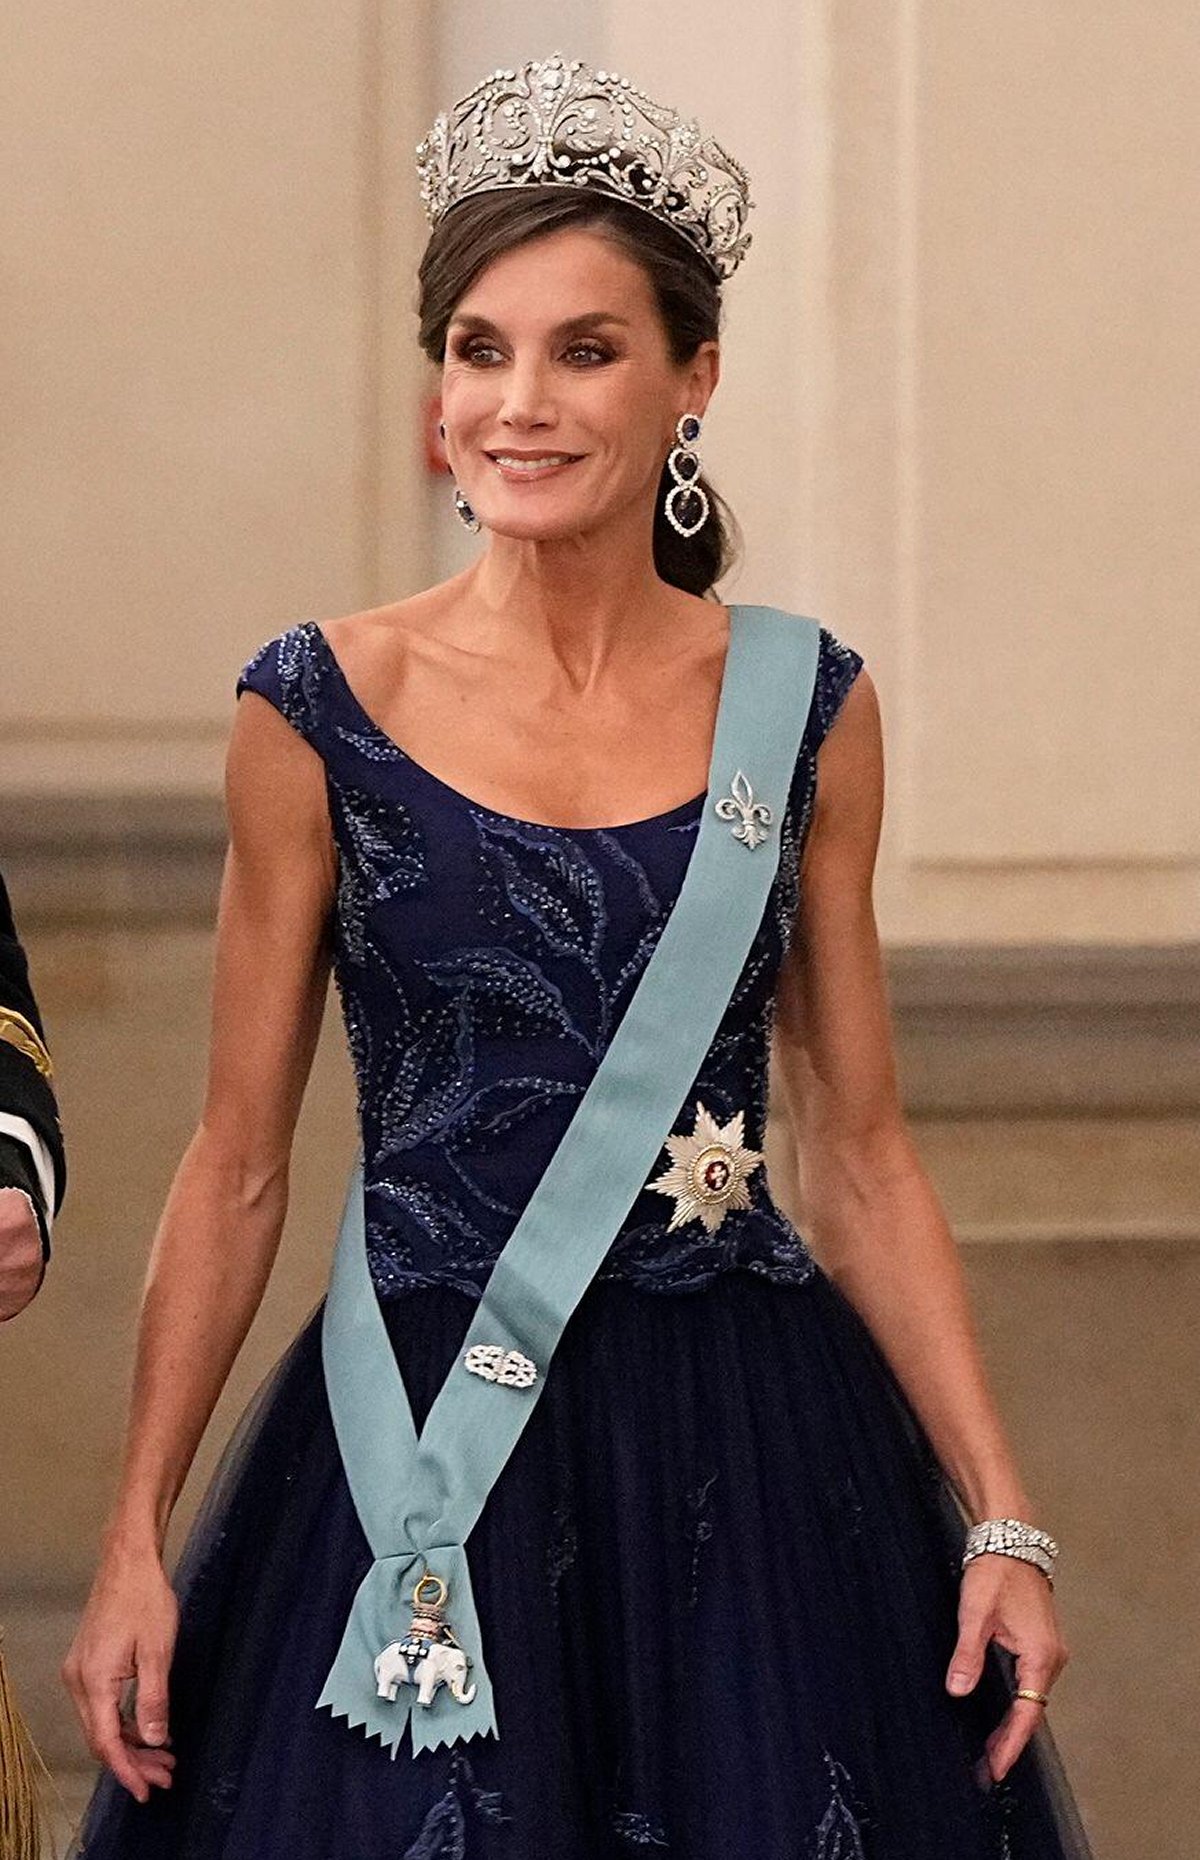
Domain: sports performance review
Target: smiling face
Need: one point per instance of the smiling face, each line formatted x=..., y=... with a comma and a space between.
x=559, y=392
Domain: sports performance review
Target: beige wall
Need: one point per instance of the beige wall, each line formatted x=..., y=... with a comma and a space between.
x=208, y=366
x=960, y=422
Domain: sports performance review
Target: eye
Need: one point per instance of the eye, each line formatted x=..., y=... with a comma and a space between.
x=474, y=349
x=590, y=351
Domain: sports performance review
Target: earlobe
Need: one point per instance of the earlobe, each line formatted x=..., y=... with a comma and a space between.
x=709, y=373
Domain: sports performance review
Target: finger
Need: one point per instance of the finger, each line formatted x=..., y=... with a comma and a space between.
x=151, y=1768
x=73, y=1681
x=150, y=1777
x=146, y=1758
x=966, y=1662
x=93, y=1683
x=146, y=1754
x=1011, y=1735
x=1035, y=1670
x=162, y=1757
x=109, y=1745
x=152, y=1695
x=133, y=1738
x=1038, y=1669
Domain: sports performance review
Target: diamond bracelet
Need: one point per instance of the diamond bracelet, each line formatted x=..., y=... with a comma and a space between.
x=1011, y=1537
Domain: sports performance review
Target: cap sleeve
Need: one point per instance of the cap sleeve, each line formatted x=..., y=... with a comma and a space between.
x=289, y=671
x=838, y=665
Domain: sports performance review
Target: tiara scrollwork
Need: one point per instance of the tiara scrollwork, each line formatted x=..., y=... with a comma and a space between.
x=555, y=122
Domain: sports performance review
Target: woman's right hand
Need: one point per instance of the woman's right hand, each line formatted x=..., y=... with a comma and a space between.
x=127, y=1633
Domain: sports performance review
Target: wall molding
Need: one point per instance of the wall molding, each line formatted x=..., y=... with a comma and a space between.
x=1047, y=1029
x=112, y=861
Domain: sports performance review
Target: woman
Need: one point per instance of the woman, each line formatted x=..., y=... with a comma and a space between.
x=721, y=1572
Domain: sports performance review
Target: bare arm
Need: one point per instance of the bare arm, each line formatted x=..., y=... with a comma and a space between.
x=872, y=1210
x=873, y=1213
x=220, y=1228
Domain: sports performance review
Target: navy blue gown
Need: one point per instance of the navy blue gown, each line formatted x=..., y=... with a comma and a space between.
x=718, y=1575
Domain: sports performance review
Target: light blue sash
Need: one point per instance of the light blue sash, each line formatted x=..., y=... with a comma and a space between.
x=419, y=1497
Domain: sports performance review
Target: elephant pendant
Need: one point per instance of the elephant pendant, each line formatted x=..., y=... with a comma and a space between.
x=429, y=1656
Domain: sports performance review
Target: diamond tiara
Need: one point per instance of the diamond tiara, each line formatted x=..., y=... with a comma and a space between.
x=557, y=123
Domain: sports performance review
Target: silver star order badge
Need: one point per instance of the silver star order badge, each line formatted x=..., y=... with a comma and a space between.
x=708, y=1170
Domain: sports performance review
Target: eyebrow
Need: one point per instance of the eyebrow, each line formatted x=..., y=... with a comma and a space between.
x=591, y=319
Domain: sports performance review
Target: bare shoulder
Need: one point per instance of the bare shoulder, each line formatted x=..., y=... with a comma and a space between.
x=848, y=813
x=858, y=726
x=275, y=800
x=389, y=633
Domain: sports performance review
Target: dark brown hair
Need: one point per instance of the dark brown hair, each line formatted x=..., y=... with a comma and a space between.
x=686, y=290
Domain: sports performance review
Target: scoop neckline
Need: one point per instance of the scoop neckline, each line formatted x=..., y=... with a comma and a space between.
x=678, y=812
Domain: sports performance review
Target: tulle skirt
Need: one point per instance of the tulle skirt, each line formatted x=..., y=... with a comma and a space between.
x=718, y=1580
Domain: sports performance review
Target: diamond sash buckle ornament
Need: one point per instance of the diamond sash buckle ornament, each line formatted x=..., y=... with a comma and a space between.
x=740, y=804
x=496, y=1364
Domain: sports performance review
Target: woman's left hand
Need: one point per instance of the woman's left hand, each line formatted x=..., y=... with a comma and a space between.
x=1005, y=1599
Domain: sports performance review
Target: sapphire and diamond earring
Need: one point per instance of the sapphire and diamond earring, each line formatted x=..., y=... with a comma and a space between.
x=465, y=513
x=686, y=504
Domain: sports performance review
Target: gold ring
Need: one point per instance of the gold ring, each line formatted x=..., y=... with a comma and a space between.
x=1027, y=1692
x=439, y=1585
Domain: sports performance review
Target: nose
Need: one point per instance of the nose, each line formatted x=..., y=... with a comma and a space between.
x=527, y=403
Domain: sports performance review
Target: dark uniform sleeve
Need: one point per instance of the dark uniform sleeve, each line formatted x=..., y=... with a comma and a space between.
x=26, y=1073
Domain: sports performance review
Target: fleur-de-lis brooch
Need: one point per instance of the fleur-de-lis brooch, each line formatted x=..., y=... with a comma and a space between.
x=739, y=804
